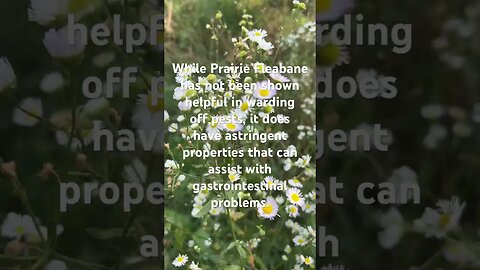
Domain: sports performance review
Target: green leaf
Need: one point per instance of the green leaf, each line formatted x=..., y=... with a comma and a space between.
x=179, y=238
x=178, y=220
x=205, y=209
x=241, y=251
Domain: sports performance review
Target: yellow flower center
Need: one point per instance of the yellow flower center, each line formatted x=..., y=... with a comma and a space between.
x=231, y=126
x=328, y=54
x=264, y=92
x=324, y=5
x=258, y=34
x=20, y=230
x=154, y=105
x=293, y=210
x=231, y=177
x=244, y=106
x=444, y=220
x=295, y=197
x=308, y=261
x=268, y=209
x=180, y=259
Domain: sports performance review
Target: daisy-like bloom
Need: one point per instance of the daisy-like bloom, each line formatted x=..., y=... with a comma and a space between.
x=180, y=260
x=7, y=76
x=194, y=266
x=308, y=260
x=300, y=240
x=393, y=228
x=294, y=195
x=270, y=181
x=257, y=35
x=309, y=208
x=294, y=182
x=233, y=177
x=232, y=126
x=438, y=222
x=329, y=10
x=135, y=172
x=52, y=82
x=279, y=77
x=213, y=127
x=303, y=161
x=185, y=91
x=245, y=107
x=55, y=265
x=263, y=90
x=216, y=211
x=148, y=112
x=265, y=45
x=16, y=226
x=56, y=42
x=268, y=210
x=292, y=211
x=333, y=267
x=330, y=54
x=45, y=12
x=27, y=112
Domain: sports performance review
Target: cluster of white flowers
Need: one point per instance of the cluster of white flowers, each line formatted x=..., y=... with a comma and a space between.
x=297, y=202
x=462, y=127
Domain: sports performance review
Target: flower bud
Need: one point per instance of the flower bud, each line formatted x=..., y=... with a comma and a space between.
x=15, y=248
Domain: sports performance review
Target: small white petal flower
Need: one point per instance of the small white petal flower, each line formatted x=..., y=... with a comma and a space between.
x=279, y=77
x=299, y=240
x=294, y=195
x=16, y=225
x=438, y=222
x=257, y=35
x=7, y=76
x=194, y=266
x=34, y=108
x=292, y=211
x=180, y=260
x=269, y=210
x=45, y=12
x=52, y=82
x=56, y=43
x=393, y=228
x=263, y=90
x=265, y=45
x=232, y=126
